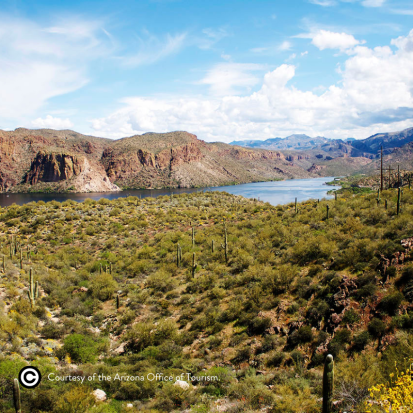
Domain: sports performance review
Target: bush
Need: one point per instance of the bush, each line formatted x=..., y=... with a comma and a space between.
x=391, y=303
x=360, y=341
x=302, y=335
x=275, y=360
x=376, y=327
x=258, y=325
x=351, y=317
x=103, y=286
x=82, y=349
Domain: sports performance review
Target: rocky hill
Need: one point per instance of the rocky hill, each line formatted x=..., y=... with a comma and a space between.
x=48, y=160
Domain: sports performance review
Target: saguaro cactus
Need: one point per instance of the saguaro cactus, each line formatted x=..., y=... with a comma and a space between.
x=212, y=246
x=224, y=246
x=385, y=204
x=335, y=196
x=4, y=264
x=296, y=208
x=328, y=210
x=16, y=396
x=117, y=301
x=178, y=255
x=33, y=292
x=378, y=196
x=399, y=198
x=193, y=237
x=194, y=265
x=328, y=384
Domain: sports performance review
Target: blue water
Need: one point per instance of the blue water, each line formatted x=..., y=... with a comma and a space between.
x=276, y=193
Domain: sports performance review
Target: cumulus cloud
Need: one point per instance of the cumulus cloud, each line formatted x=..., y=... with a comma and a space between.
x=49, y=122
x=375, y=93
x=325, y=39
x=230, y=78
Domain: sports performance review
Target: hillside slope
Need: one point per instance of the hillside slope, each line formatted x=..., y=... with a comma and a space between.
x=136, y=287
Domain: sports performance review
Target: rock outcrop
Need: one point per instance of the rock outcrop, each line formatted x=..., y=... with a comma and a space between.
x=75, y=170
x=53, y=167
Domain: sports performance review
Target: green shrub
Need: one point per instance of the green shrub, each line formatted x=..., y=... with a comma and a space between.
x=391, y=303
x=361, y=340
x=81, y=348
x=350, y=317
x=376, y=327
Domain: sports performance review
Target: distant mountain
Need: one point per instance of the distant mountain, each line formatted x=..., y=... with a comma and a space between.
x=389, y=141
x=368, y=147
x=292, y=142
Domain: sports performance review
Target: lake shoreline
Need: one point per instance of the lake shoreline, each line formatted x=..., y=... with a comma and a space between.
x=276, y=192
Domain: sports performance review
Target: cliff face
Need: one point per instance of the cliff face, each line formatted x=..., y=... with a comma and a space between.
x=51, y=167
x=74, y=170
x=61, y=160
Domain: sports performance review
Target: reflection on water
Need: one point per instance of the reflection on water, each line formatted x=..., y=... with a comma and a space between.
x=276, y=193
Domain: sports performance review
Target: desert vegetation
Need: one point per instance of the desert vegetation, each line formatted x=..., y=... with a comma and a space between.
x=212, y=285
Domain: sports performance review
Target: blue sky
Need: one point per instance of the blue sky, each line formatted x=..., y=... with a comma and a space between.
x=224, y=70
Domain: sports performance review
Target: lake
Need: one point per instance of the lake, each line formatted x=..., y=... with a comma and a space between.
x=276, y=192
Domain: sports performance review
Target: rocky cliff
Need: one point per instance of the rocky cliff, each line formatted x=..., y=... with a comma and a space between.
x=48, y=160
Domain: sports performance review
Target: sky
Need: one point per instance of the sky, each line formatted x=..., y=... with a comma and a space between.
x=224, y=70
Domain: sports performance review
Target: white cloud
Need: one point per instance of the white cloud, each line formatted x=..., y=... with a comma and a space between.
x=152, y=49
x=285, y=45
x=374, y=94
x=325, y=39
x=404, y=43
x=230, y=78
x=38, y=63
x=324, y=3
x=365, y=3
x=373, y=3
x=50, y=122
x=404, y=12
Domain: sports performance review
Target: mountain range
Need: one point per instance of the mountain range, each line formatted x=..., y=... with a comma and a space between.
x=59, y=161
x=364, y=147
x=50, y=160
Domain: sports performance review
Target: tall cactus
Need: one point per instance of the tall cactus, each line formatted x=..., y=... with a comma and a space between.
x=117, y=301
x=328, y=210
x=378, y=197
x=328, y=384
x=33, y=292
x=194, y=265
x=399, y=198
x=224, y=246
x=335, y=195
x=16, y=396
x=178, y=255
x=296, y=208
x=4, y=264
x=385, y=204
x=193, y=237
x=212, y=246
